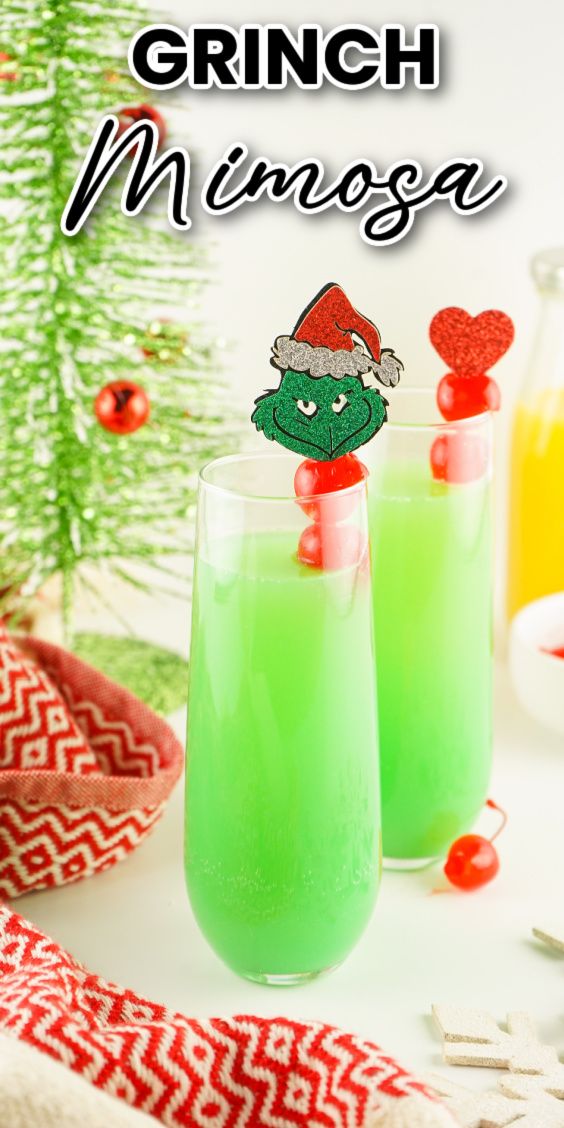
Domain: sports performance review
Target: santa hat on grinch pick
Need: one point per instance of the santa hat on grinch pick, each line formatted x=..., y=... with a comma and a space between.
x=322, y=343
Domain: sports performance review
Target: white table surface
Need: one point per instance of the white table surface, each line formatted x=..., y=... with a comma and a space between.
x=134, y=925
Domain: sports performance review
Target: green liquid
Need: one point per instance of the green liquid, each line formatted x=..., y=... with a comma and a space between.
x=282, y=799
x=431, y=567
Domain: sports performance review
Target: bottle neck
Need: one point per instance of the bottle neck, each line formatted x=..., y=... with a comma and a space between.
x=546, y=364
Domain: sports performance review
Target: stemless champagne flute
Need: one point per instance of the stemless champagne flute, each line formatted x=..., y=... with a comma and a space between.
x=432, y=583
x=282, y=788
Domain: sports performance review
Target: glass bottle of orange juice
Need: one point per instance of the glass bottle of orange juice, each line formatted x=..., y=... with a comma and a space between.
x=536, y=524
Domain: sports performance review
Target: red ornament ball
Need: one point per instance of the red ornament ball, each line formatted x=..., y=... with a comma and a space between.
x=164, y=342
x=472, y=861
x=7, y=75
x=122, y=407
x=460, y=397
x=130, y=114
x=314, y=478
x=459, y=458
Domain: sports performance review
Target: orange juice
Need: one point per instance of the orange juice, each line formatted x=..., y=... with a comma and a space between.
x=536, y=531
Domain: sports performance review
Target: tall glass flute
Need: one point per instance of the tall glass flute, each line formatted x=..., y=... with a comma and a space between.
x=432, y=584
x=282, y=791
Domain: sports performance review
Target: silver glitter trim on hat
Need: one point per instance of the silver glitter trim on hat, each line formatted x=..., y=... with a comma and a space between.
x=321, y=361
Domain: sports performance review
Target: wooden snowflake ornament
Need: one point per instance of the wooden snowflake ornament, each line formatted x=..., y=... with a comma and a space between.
x=494, y=1110
x=529, y=1095
x=411, y=1112
x=553, y=938
x=473, y=1037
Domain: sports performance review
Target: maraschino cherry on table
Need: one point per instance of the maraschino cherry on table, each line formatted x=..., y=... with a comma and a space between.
x=473, y=860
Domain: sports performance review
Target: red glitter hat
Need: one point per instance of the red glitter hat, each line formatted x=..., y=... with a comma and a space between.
x=322, y=342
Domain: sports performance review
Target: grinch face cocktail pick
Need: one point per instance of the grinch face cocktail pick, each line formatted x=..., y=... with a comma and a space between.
x=327, y=403
x=326, y=406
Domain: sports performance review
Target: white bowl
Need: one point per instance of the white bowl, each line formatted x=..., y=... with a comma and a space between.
x=538, y=677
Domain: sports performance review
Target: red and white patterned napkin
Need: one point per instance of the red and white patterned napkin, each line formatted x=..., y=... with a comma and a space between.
x=241, y=1072
x=37, y=730
x=85, y=768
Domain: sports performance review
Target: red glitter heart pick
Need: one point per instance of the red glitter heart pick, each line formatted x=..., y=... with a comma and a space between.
x=471, y=345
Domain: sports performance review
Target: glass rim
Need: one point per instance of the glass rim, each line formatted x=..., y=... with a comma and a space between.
x=441, y=426
x=547, y=269
x=467, y=422
x=271, y=499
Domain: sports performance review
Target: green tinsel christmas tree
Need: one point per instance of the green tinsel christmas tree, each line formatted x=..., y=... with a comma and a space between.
x=77, y=314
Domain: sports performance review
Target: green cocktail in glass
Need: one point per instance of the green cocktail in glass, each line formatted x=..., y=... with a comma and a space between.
x=432, y=581
x=282, y=796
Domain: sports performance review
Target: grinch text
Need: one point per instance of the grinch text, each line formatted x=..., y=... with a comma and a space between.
x=234, y=182
x=267, y=57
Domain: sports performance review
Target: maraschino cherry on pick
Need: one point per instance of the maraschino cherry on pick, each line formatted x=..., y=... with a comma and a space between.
x=460, y=397
x=325, y=544
x=473, y=860
x=313, y=478
x=331, y=547
x=459, y=458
